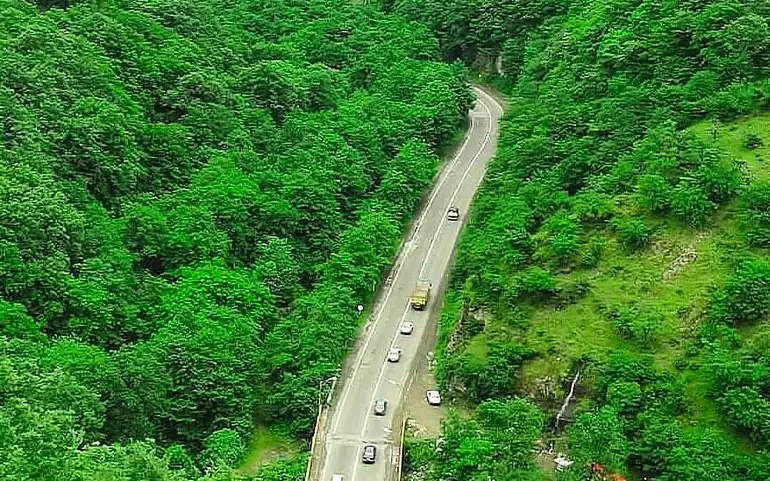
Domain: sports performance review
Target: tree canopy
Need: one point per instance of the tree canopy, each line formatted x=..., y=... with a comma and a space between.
x=194, y=196
x=611, y=161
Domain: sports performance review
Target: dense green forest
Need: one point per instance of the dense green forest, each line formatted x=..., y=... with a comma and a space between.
x=194, y=198
x=621, y=233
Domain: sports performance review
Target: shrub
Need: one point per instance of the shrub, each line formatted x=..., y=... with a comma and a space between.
x=752, y=140
x=746, y=297
x=746, y=408
x=637, y=324
x=593, y=206
x=654, y=193
x=592, y=252
x=561, y=236
x=734, y=101
x=755, y=214
x=537, y=281
x=493, y=373
x=633, y=232
x=571, y=292
x=691, y=203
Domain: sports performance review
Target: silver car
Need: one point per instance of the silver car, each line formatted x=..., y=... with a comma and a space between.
x=394, y=354
x=380, y=406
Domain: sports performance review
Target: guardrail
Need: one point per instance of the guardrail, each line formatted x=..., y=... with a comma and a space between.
x=322, y=413
x=401, y=449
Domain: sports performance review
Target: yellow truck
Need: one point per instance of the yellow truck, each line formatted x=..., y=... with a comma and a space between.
x=419, y=298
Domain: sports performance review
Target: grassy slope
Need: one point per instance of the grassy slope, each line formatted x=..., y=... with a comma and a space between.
x=664, y=276
x=266, y=446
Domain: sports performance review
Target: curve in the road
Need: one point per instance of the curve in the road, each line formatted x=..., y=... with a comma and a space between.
x=343, y=443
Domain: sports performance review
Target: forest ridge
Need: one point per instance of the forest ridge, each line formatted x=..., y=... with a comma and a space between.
x=194, y=198
x=621, y=235
x=196, y=195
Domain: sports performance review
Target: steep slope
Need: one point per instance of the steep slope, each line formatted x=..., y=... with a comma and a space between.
x=194, y=197
x=614, y=239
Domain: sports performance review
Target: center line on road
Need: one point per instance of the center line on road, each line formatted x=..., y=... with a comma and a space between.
x=484, y=143
x=357, y=363
x=347, y=389
x=448, y=171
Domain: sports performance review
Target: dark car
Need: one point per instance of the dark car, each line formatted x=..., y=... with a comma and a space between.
x=380, y=406
x=370, y=452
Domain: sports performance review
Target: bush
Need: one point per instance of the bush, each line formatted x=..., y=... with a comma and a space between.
x=654, y=193
x=752, y=140
x=560, y=238
x=746, y=297
x=755, y=214
x=691, y=203
x=734, y=101
x=593, y=206
x=537, y=282
x=633, y=232
x=637, y=324
x=746, y=409
x=493, y=373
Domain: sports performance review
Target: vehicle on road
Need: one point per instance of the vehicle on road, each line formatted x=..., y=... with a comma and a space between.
x=433, y=397
x=407, y=327
x=337, y=477
x=380, y=406
x=453, y=213
x=370, y=452
x=420, y=295
x=394, y=354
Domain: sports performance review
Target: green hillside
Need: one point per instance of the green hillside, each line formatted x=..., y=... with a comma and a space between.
x=621, y=233
x=194, y=198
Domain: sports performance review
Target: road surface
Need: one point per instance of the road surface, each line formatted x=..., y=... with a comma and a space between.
x=351, y=423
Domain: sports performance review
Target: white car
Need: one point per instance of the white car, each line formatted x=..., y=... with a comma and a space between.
x=433, y=397
x=338, y=477
x=394, y=354
x=453, y=213
x=407, y=327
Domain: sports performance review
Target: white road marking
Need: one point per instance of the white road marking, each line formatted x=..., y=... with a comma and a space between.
x=348, y=388
x=484, y=143
x=487, y=136
x=412, y=243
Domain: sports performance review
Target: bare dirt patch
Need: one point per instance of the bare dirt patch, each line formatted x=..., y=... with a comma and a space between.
x=686, y=256
x=423, y=419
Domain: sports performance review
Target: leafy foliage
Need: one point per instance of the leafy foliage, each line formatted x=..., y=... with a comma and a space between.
x=192, y=195
x=746, y=297
x=756, y=213
x=595, y=152
x=495, y=442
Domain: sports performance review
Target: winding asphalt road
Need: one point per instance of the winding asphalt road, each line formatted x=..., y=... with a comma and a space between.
x=351, y=422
